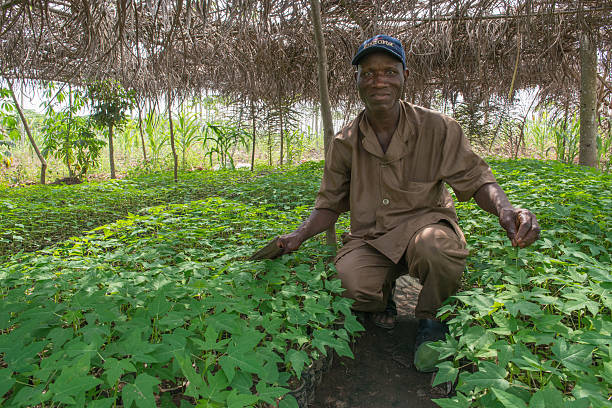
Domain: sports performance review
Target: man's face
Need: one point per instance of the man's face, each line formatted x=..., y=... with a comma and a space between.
x=380, y=81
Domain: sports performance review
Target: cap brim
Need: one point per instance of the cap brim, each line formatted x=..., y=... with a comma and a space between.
x=367, y=51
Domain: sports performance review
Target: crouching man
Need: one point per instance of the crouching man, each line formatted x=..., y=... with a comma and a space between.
x=389, y=168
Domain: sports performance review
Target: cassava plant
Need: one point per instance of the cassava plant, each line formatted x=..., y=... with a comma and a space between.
x=110, y=103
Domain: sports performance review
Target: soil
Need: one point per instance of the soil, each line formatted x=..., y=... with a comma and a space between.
x=382, y=374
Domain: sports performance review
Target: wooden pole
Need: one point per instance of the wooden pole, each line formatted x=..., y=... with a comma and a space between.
x=588, y=101
x=174, y=155
x=254, y=134
x=326, y=114
x=282, y=139
x=43, y=162
x=111, y=152
x=144, y=150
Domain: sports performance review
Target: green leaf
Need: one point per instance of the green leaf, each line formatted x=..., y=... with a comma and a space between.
x=343, y=349
x=548, y=396
x=508, y=400
x=334, y=286
x=447, y=372
x=114, y=369
x=288, y=401
x=298, y=359
x=211, y=340
x=596, y=391
x=458, y=401
x=101, y=403
x=488, y=375
x=576, y=357
x=324, y=338
x=141, y=392
x=269, y=394
x=6, y=381
x=242, y=382
x=31, y=396
x=196, y=382
x=606, y=372
x=247, y=362
x=352, y=325
x=269, y=373
x=524, y=307
x=73, y=382
x=214, y=390
x=227, y=322
x=235, y=400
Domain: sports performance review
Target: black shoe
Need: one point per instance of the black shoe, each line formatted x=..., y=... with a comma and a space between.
x=425, y=357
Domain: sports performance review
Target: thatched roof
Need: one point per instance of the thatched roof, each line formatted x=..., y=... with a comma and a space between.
x=263, y=49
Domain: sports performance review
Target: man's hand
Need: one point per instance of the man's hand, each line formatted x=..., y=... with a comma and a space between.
x=521, y=226
x=318, y=221
x=289, y=242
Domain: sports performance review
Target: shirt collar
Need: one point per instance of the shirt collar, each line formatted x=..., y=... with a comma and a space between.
x=398, y=147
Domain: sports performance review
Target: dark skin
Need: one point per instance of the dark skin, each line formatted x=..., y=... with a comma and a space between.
x=380, y=82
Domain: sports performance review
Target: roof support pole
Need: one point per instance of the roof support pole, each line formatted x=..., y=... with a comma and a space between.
x=328, y=125
x=43, y=162
x=588, y=101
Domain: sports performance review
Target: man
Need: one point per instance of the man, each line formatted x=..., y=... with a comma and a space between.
x=388, y=168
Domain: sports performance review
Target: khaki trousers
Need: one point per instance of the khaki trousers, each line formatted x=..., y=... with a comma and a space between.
x=435, y=256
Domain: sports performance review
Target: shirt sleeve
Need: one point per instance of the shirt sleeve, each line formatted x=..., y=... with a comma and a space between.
x=462, y=169
x=334, y=193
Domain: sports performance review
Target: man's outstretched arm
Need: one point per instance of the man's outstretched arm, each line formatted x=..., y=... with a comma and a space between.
x=520, y=224
x=318, y=221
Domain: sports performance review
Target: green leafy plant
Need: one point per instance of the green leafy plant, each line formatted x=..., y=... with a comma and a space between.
x=533, y=327
x=9, y=132
x=219, y=139
x=110, y=102
x=163, y=291
x=167, y=301
x=188, y=132
x=156, y=136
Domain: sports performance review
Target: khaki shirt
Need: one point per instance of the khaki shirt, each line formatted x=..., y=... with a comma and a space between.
x=392, y=195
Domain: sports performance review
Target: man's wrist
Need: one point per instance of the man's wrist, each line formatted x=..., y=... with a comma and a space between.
x=505, y=208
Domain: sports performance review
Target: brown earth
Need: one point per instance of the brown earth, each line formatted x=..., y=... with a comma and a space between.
x=382, y=374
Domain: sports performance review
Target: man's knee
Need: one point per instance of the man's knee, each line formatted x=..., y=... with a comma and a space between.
x=362, y=282
x=438, y=249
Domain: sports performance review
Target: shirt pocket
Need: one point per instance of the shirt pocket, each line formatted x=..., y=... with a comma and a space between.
x=414, y=195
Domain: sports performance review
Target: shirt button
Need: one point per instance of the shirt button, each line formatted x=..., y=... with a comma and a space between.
x=385, y=201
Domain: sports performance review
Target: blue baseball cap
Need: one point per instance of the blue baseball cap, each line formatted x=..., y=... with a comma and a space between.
x=381, y=42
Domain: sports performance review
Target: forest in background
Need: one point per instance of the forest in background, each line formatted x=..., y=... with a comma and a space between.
x=218, y=132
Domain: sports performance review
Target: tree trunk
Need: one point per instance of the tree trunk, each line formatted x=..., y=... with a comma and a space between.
x=254, y=134
x=328, y=126
x=269, y=149
x=43, y=162
x=174, y=155
x=588, y=101
x=69, y=126
x=142, y=141
x=111, y=152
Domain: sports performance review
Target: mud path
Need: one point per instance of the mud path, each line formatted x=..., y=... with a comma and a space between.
x=382, y=374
